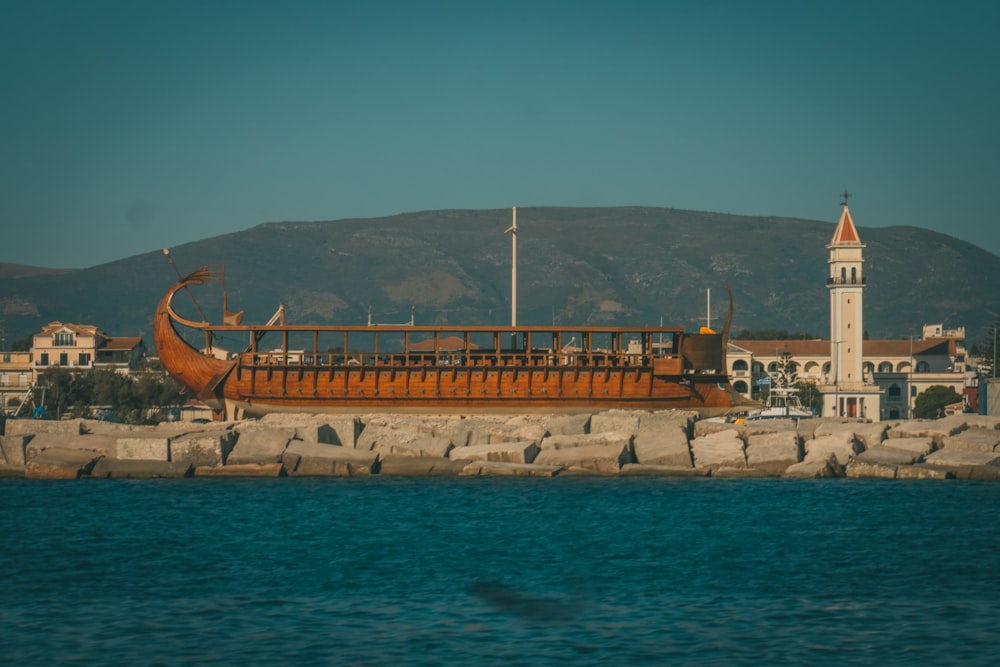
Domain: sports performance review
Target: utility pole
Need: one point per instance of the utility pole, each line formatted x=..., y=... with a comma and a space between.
x=512, y=230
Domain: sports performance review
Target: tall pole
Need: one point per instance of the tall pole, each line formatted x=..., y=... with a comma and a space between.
x=512, y=230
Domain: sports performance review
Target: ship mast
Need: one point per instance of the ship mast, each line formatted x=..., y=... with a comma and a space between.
x=512, y=230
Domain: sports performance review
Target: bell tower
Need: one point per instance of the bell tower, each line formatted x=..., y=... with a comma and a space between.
x=846, y=393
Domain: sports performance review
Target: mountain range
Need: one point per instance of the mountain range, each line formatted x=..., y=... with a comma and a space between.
x=576, y=266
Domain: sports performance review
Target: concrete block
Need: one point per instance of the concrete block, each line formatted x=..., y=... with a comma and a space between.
x=958, y=458
x=722, y=448
x=567, y=424
x=39, y=426
x=973, y=440
x=508, y=469
x=140, y=469
x=665, y=420
x=921, y=471
x=842, y=446
x=61, y=463
x=938, y=429
x=101, y=444
x=744, y=472
x=615, y=421
x=259, y=446
x=817, y=467
x=886, y=456
x=146, y=449
x=11, y=470
x=599, y=458
x=205, y=448
x=587, y=440
x=773, y=452
x=12, y=449
x=655, y=470
x=502, y=452
x=241, y=470
x=419, y=466
x=988, y=422
x=314, y=459
x=421, y=446
x=864, y=469
x=666, y=446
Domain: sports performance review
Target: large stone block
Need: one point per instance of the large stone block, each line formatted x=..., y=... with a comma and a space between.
x=663, y=446
x=421, y=446
x=653, y=470
x=146, y=449
x=938, y=429
x=140, y=469
x=615, y=421
x=203, y=448
x=722, y=448
x=508, y=469
x=315, y=459
x=600, y=458
x=333, y=430
x=665, y=420
x=259, y=446
x=12, y=449
x=842, y=446
x=617, y=439
x=567, y=424
x=502, y=452
x=817, y=467
x=958, y=458
x=101, y=444
x=866, y=469
x=242, y=470
x=61, y=463
x=420, y=466
x=989, y=422
x=772, y=453
x=11, y=470
x=921, y=471
x=885, y=456
x=973, y=440
x=39, y=426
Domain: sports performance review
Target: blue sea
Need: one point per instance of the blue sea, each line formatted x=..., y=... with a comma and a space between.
x=471, y=571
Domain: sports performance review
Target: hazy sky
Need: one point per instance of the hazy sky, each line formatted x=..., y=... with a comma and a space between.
x=129, y=125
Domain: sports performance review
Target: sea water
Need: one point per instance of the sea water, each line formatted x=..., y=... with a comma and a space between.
x=576, y=571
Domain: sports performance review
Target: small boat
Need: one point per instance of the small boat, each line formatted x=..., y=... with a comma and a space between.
x=282, y=367
x=782, y=403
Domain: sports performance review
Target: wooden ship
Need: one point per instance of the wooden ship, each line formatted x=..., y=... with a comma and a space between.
x=365, y=368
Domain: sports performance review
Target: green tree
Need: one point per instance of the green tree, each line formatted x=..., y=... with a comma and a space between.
x=930, y=402
x=809, y=396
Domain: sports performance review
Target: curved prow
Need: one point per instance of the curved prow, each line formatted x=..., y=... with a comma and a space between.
x=200, y=373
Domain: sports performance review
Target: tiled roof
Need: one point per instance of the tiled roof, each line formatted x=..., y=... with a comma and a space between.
x=846, y=233
x=122, y=343
x=872, y=348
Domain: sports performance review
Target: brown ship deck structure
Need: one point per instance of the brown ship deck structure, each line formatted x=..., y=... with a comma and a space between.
x=437, y=369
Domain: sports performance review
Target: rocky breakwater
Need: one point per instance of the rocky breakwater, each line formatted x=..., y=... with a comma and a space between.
x=612, y=443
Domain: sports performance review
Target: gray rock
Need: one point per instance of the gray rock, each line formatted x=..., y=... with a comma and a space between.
x=973, y=440
x=938, y=429
x=315, y=459
x=617, y=439
x=502, y=452
x=772, y=453
x=615, y=421
x=567, y=424
x=842, y=446
x=816, y=467
x=49, y=426
x=885, y=456
x=202, y=448
x=140, y=469
x=508, y=469
x=420, y=466
x=11, y=470
x=145, y=449
x=12, y=449
x=607, y=458
x=101, y=444
x=664, y=446
x=60, y=463
x=864, y=469
x=722, y=448
x=666, y=420
x=653, y=470
x=242, y=470
x=258, y=446
x=921, y=471
x=958, y=458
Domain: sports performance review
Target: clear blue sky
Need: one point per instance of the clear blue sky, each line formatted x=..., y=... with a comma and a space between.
x=133, y=125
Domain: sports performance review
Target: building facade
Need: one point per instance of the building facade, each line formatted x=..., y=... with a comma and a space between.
x=83, y=347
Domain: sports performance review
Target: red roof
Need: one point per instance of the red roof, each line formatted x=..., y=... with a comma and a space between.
x=846, y=233
x=122, y=343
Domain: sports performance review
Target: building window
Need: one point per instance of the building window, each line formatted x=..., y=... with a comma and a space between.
x=894, y=392
x=63, y=359
x=923, y=367
x=63, y=339
x=84, y=359
x=739, y=365
x=6, y=358
x=885, y=367
x=43, y=359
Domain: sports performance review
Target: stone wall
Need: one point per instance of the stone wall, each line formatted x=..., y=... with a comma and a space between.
x=616, y=442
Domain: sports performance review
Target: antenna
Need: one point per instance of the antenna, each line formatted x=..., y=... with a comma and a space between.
x=512, y=230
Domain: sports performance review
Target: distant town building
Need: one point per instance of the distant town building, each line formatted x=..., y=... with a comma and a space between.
x=83, y=347
x=873, y=379
x=15, y=377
